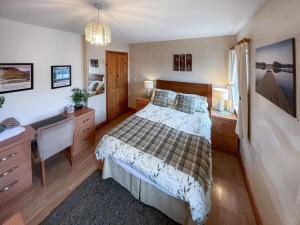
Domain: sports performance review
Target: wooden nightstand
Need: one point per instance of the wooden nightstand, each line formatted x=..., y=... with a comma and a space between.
x=141, y=103
x=224, y=137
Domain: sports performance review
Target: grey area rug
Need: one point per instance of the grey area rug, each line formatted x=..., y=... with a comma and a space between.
x=98, y=201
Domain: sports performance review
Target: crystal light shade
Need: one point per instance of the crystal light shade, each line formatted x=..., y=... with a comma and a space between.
x=97, y=34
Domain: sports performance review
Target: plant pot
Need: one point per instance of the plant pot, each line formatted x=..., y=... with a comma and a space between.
x=78, y=107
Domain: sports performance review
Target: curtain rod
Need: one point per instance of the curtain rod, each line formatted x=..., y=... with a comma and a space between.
x=241, y=42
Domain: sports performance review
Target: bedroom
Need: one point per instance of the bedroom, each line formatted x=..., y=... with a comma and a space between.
x=151, y=55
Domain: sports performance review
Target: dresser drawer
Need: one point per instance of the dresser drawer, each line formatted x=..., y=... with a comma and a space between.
x=14, y=184
x=81, y=144
x=84, y=121
x=14, y=156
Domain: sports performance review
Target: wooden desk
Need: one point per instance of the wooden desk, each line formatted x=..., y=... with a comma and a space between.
x=15, y=164
x=84, y=132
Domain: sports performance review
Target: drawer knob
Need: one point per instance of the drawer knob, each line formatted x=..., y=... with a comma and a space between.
x=8, y=172
x=7, y=157
x=8, y=187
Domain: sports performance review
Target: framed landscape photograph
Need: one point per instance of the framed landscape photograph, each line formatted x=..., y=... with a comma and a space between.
x=16, y=77
x=60, y=76
x=276, y=74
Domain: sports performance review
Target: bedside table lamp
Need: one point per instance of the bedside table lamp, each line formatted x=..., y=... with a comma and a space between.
x=149, y=85
x=220, y=95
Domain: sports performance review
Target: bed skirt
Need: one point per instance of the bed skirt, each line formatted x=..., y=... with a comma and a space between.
x=174, y=208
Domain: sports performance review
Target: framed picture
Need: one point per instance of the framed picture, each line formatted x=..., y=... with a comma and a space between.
x=276, y=74
x=188, y=59
x=176, y=62
x=16, y=77
x=60, y=76
x=182, y=62
x=94, y=63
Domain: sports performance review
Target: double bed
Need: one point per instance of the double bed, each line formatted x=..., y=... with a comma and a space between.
x=163, y=156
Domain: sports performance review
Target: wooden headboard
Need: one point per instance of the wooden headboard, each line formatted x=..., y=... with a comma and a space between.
x=187, y=88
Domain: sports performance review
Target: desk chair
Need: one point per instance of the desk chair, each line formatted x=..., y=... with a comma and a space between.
x=53, y=139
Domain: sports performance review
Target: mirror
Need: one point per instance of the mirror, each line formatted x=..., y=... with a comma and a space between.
x=96, y=82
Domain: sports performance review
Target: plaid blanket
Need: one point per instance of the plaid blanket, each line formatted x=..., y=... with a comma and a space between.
x=188, y=153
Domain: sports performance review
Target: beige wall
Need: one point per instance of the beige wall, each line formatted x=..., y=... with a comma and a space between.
x=155, y=61
x=272, y=159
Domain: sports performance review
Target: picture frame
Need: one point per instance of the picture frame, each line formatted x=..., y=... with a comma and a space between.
x=276, y=74
x=94, y=63
x=176, y=62
x=189, y=62
x=16, y=77
x=182, y=62
x=61, y=76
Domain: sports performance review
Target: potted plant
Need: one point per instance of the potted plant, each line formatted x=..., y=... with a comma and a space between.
x=2, y=100
x=79, y=97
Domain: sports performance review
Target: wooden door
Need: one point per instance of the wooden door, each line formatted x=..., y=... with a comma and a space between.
x=116, y=84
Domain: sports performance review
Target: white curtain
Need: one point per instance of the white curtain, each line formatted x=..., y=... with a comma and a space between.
x=233, y=94
x=242, y=69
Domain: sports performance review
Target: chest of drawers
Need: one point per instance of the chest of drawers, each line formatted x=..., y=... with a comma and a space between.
x=15, y=164
x=84, y=132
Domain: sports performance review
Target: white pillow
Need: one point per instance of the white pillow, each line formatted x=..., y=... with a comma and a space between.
x=201, y=104
x=172, y=95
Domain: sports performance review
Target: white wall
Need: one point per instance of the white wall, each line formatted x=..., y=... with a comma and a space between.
x=98, y=102
x=272, y=159
x=23, y=43
x=155, y=61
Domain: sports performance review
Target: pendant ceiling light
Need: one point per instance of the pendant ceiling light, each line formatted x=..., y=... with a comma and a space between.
x=96, y=33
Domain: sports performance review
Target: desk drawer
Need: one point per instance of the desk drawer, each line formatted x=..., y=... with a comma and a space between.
x=85, y=120
x=14, y=156
x=12, y=185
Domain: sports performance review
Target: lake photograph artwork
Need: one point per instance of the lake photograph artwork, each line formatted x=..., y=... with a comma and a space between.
x=60, y=76
x=276, y=74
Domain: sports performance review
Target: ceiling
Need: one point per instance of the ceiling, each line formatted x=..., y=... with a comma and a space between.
x=136, y=21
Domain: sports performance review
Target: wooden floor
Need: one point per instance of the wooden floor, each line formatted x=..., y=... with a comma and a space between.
x=230, y=202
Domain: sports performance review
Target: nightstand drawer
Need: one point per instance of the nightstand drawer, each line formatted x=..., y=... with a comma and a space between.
x=225, y=125
x=229, y=144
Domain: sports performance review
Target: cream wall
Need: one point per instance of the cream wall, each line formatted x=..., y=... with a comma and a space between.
x=98, y=102
x=23, y=43
x=155, y=61
x=272, y=159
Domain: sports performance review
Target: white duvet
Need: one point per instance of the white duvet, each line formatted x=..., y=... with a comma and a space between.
x=155, y=171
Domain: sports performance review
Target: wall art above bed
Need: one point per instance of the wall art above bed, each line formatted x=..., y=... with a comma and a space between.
x=182, y=62
x=16, y=77
x=276, y=74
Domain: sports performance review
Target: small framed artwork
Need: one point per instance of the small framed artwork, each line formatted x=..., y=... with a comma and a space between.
x=176, y=62
x=16, y=77
x=60, y=76
x=188, y=59
x=182, y=62
x=94, y=63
